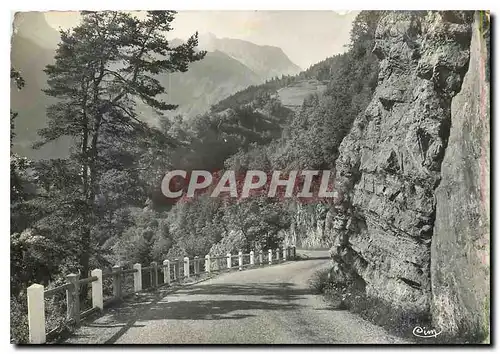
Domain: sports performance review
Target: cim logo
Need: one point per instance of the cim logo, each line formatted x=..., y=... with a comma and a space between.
x=425, y=333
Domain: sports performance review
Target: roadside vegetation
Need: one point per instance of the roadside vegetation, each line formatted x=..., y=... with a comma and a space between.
x=350, y=295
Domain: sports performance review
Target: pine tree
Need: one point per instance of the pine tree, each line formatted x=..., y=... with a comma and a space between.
x=18, y=164
x=102, y=69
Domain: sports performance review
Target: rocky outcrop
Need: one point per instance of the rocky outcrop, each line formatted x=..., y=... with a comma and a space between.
x=460, y=272
x=311, y=226
x=390, y=163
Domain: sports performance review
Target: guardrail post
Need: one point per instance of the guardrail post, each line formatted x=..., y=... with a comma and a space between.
x=294, y=249
x=138, y=277
x=73, y=298
x=197, y=265
x=277, y=255
x=166, y=271
x=117, y=282
x=154, y=275
x=240, y=260
x=270, y=251
x=252, y=258
x=186, y=267
x=207, y=264
x=36, y=314
x=261, y=257
x=229, y=263
x=284, y=253
x=97, y=299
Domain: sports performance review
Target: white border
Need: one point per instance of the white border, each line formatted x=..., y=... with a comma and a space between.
x=249, y=5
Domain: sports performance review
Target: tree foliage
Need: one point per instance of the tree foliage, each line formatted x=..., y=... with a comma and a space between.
x=102, y=68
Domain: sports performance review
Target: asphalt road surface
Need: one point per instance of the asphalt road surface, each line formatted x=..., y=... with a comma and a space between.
x=269, y=305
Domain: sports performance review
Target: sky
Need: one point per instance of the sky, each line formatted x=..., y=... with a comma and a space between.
x=307, y=37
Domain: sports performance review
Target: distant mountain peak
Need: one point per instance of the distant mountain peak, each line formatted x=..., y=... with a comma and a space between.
x=207, y=41
x=265, y=60
x=33, y=25
x=210, y=35
x=231, y=65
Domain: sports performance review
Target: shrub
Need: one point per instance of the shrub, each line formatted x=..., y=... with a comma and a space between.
x=347, y=291
x=320, y=281
x=18, y=321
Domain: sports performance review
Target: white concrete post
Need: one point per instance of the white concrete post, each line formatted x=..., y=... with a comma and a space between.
x=166, y=271
x=228, y=260
x=284, y=253
x=277, y=255
x=240, y=260
x=261, y=257
x=252, y=259
x=36, y=314
x=207, y=263
x=97, y=299
x=138, y=277
x=270, y=256
x=186, y=267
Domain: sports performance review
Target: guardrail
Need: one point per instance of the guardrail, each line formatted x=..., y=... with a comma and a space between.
x=171, y=271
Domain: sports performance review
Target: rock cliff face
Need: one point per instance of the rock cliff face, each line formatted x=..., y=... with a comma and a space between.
x=390, y=163
x=311, y=226
x=460, y=274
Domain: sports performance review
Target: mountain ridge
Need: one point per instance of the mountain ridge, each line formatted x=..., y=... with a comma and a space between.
x=271, y=60
x=214, y=78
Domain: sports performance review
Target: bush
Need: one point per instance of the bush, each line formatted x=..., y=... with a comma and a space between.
x=348, y=292
x=320, y=281
x=18, y=321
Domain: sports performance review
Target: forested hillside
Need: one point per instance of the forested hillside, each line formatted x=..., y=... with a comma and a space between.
x=102, y=205
x=229, y=66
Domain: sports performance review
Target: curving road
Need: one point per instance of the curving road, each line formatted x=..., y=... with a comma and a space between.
x=271, y=305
